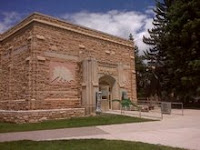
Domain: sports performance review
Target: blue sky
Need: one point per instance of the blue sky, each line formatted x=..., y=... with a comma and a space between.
x=55, y=7
x=117, y=17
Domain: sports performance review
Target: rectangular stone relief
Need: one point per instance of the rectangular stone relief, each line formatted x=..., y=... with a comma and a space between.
x=62, y=72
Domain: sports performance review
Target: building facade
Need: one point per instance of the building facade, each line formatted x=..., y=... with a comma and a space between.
x=47, y=63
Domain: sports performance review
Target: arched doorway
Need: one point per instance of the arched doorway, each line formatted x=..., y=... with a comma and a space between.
x=106, y=84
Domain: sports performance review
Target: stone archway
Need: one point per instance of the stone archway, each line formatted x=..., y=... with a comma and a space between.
x=106, y=86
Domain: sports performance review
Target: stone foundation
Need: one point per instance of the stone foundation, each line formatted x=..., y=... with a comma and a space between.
x=39, y=104
x=33, y=116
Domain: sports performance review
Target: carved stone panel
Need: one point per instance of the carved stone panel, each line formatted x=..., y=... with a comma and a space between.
x=107, y=69
x=62, y=72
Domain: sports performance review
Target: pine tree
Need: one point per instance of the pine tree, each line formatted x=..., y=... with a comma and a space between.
x=156, y=55
x=183, y=53
x=140, y=73
x=140, y=69
x=175, y=53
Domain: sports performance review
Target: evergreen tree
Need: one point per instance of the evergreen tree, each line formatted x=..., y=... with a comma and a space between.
x=140, y=67
x=183, y=49
x=175, y=41
x=156, y=55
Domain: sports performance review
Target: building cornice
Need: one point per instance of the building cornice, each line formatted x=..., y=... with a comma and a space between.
x=44, y=19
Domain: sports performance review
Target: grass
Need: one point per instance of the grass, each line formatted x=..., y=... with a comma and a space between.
x=86, y=144
x=103, y=119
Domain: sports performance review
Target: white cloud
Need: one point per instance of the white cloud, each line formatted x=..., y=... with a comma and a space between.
x=9, y=19
x=119, y=23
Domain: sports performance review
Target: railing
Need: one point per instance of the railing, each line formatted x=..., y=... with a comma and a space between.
x=181, y=104
x=158, y=104
x=150, y=109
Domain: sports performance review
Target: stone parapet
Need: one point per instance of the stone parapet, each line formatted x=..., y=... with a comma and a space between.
x=45, y=19
x=33, y=116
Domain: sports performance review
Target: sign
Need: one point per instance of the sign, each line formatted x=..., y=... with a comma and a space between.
x=166, y=107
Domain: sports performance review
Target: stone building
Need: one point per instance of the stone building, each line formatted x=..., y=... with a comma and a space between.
x=50, y=64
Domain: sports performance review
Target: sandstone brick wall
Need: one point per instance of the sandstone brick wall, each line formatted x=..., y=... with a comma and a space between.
x=74, y=44
x=14, y=67
x=38, y=104
x=15, y=104
x=41, y=58
x=61, y=45
x=32, y=116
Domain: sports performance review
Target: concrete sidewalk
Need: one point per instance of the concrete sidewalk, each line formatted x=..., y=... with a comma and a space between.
x=173, y=130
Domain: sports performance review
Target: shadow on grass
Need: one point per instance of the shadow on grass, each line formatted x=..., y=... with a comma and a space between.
x=86, y=144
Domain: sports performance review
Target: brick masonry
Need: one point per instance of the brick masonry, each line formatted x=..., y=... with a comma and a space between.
x=32, y=116
x=46, y=63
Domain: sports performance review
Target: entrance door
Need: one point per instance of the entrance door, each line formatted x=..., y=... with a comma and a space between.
x=106, y=84
x=106, y=96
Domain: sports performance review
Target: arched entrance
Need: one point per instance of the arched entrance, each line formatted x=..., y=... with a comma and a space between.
x=106, y=84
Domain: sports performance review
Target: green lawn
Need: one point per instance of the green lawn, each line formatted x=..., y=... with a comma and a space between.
x=103, y=119
x=90, y=144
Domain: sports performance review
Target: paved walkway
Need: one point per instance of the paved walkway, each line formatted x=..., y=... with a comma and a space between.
x=174, y=130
